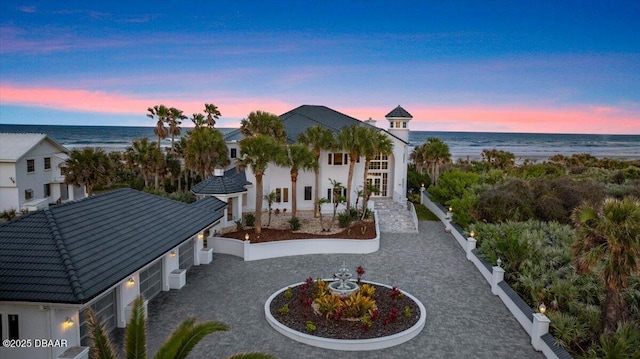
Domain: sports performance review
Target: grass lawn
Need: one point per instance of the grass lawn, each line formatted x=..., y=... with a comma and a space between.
x=424, y=214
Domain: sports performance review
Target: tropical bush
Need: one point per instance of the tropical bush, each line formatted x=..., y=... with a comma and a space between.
x=249, y=219
x=453, y=184
x=294, y=223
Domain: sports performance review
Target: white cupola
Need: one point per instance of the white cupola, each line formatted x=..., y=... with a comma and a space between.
x=399, y=123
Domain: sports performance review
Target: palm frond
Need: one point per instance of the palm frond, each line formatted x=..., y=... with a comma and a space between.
x=101, y=347
x=186, y=337
x=136, y=337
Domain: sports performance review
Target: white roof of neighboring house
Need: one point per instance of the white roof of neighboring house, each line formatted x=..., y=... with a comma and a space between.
x=15, y=145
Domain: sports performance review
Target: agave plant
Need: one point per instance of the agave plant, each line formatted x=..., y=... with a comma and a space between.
x=178, y=346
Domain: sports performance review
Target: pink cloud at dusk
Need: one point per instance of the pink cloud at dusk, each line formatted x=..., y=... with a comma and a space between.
x=460, y=117
x=102, y=102
x=515, y=118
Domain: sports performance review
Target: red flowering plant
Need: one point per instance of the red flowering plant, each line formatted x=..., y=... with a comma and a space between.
x=360, y=272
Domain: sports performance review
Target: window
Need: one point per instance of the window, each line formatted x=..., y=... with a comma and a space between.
x=28, y=194
x=391, y=124
x=63, y=171
x=31, y=166
x=13, y=331
x=47, y=163
x=338, y=159
x=234, y=153
x=404, y=125
x=397, y=124
x=330, y=194
x=47, y=190
x=307, y=193
x=282, y=195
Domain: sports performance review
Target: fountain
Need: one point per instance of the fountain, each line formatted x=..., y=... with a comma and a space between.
x=343, y=287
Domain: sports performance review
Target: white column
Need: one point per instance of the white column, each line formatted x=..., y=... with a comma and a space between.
x=497, y=276
x=540, y=327
x=70, y=192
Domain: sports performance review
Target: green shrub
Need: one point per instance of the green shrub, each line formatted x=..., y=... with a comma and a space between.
x=239, y=225
x=344, y=219
x=453, y=184
x=249, y=219
x=294, y=223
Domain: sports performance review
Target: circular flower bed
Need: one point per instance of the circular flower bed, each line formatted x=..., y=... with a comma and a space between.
x=373, y=312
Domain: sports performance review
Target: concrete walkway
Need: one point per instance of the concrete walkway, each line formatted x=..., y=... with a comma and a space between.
x=464, y=320
x=394, y=217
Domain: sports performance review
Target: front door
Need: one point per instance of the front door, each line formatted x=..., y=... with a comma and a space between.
x=379, y=181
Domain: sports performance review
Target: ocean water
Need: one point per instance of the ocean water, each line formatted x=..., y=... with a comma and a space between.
x=535, y=146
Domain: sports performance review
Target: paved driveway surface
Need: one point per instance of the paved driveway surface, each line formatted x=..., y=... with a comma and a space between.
x=464, y=320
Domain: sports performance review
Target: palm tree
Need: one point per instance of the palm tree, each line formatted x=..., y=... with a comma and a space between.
x=205, y=150
x=212, y=114
x=263, y=123
x=608, y=241
x=270, y=198
x=198, y=119
x=161, y=114
x=431, y=154
x=178, y=346
x=256, y=153
x=377, y=145
x=175, y=119
x=296, y=157
x=143, y=157
x=336, y=199
x=353, y=140
x=88, y=166
x=317, y=138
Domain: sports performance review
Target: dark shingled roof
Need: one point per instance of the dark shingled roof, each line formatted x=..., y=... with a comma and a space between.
x=300, y=118
x=231, y=182
x=210, y=203
x=399, y=112
x=72, y=252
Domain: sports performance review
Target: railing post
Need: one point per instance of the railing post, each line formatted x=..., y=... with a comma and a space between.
x=471, y=245
x=540, y=327
x=497, y=276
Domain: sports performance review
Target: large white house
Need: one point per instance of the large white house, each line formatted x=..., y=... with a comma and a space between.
x=32, y=172
x=99, y=252
x=388, y=173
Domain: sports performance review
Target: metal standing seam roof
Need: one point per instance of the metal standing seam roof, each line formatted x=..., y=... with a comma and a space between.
x=72, y=252
x=298, y=120
x=231, y=182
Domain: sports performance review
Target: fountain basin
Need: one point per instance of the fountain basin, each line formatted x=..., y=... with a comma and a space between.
x=343, y=289
x=347, y=344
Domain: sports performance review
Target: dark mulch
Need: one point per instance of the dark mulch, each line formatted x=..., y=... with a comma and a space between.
x=300, y=313
x=269, y=235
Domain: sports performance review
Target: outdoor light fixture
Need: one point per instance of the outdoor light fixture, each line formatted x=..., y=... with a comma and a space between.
x=450, y=209
x=200, y=235
x=472, y=234
x=542, y=308
x=172, y=254
x=69, y=322
x=246, y=236
x=131, y=281
x=422, y=185
x=499, y=262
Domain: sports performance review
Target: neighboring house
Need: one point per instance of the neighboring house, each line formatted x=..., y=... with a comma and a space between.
x=100, y=252
x=32, y=172
x=388, y=173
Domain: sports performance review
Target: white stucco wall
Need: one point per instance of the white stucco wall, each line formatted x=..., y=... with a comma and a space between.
x=37, y=323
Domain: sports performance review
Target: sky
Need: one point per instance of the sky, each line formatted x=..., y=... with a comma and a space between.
x=487, y=66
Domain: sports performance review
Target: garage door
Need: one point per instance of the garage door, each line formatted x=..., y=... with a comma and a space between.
x=186, y=254
x=105, y=309
x=151, y=280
